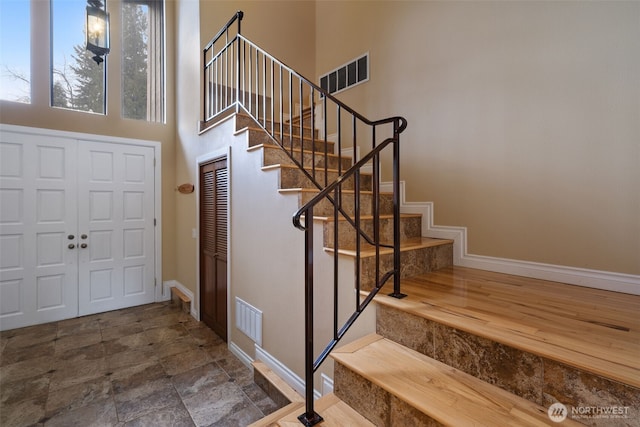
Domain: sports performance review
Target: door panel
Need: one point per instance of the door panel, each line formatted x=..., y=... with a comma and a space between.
x=38, y=217
x=213, y=245
x=116, y=216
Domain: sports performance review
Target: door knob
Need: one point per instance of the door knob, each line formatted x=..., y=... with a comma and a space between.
x=84, y=236
x=83, y=246
x=71, y=246
x=71, y=237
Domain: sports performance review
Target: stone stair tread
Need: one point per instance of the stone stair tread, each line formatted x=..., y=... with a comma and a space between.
x=408, y=245
x=571, y=325
x=334, y=411
x=443, y=393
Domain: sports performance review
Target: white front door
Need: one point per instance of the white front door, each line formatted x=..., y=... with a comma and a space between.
x=77, y=227
x=38, y=241
x=116, y=226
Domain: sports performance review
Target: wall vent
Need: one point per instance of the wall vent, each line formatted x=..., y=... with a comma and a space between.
x=347, y=75
x=249, y=320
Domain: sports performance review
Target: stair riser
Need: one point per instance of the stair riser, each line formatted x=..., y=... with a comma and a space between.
x=524, y=374
x=325, y=207
x=376, y=404
x=259, y=137
x=243, y=121
x=410, y=228
x=294, y=178
x=412, y=263
x=276, y=156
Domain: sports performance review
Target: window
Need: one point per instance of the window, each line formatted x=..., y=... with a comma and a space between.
x=143, y=60
x=350, y=74
x=78, y=82
x=15, y=50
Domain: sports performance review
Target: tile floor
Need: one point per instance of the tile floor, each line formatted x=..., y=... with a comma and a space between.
x=151, y=365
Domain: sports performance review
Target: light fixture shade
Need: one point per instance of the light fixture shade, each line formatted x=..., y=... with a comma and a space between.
x=97, y=32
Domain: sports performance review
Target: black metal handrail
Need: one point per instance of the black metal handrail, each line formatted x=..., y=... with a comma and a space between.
x=299, y=116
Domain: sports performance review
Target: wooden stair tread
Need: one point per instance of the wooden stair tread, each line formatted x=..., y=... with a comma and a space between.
x=316, y=191
x=272, y=420
x=366, y=217
x=445, y=394
x=408, y=245
x=589, y=329
x=334, y=412
x=319, y=169
x=181, y=295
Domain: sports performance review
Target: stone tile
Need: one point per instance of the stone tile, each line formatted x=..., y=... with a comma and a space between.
x=77, y=396
x=403, y=414
x=131, y=377
x=149, y=398
x=218, y=351
x=20, y=354
x=99, y=413
x=414, y=332
x=128, y=342
x=212, y=405
x=170, y=348
x=368, y=399
x=70, y=342
x=236, y=370
x=131, y=357
x=25, y=413
x=575, y=388
x=242, y=415
x=202, y=378
x=170, y=319
x=78, y=372
x=32, y=335
x=31, y=368
x=263, y=402
x=182, y=362
x=203, y=335
x=78, y=326
x=29, y=388
x=114, y=318
x=165, y=334
x=72, y=356
x=113, y=332
x=170, y=416
x=506, y=367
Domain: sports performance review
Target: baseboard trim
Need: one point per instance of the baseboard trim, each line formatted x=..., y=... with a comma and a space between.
x=597, y=279
x=240, y=354
x=168, y=284
x=287, y=375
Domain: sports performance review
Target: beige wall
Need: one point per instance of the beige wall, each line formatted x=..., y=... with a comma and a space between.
x=40, y=114
x=283, y=28
x=524, y=118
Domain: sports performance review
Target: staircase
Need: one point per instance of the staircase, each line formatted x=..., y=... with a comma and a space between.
x=465, y=347
x=437, y=359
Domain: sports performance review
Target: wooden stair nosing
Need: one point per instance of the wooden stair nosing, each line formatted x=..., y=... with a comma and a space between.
x=441, y=392
x=410, y=245
x=308, y=169
x=285, y=389
x=181, y=295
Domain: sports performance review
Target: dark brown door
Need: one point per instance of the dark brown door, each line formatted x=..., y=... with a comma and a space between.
x=214, y=181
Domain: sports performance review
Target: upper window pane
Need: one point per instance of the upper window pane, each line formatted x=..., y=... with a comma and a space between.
x=15, y=50
x=78, y=82
x=143, y=60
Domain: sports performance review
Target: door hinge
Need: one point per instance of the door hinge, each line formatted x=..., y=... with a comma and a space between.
x=154, y=222
x=154, y=162
x=155, y=282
